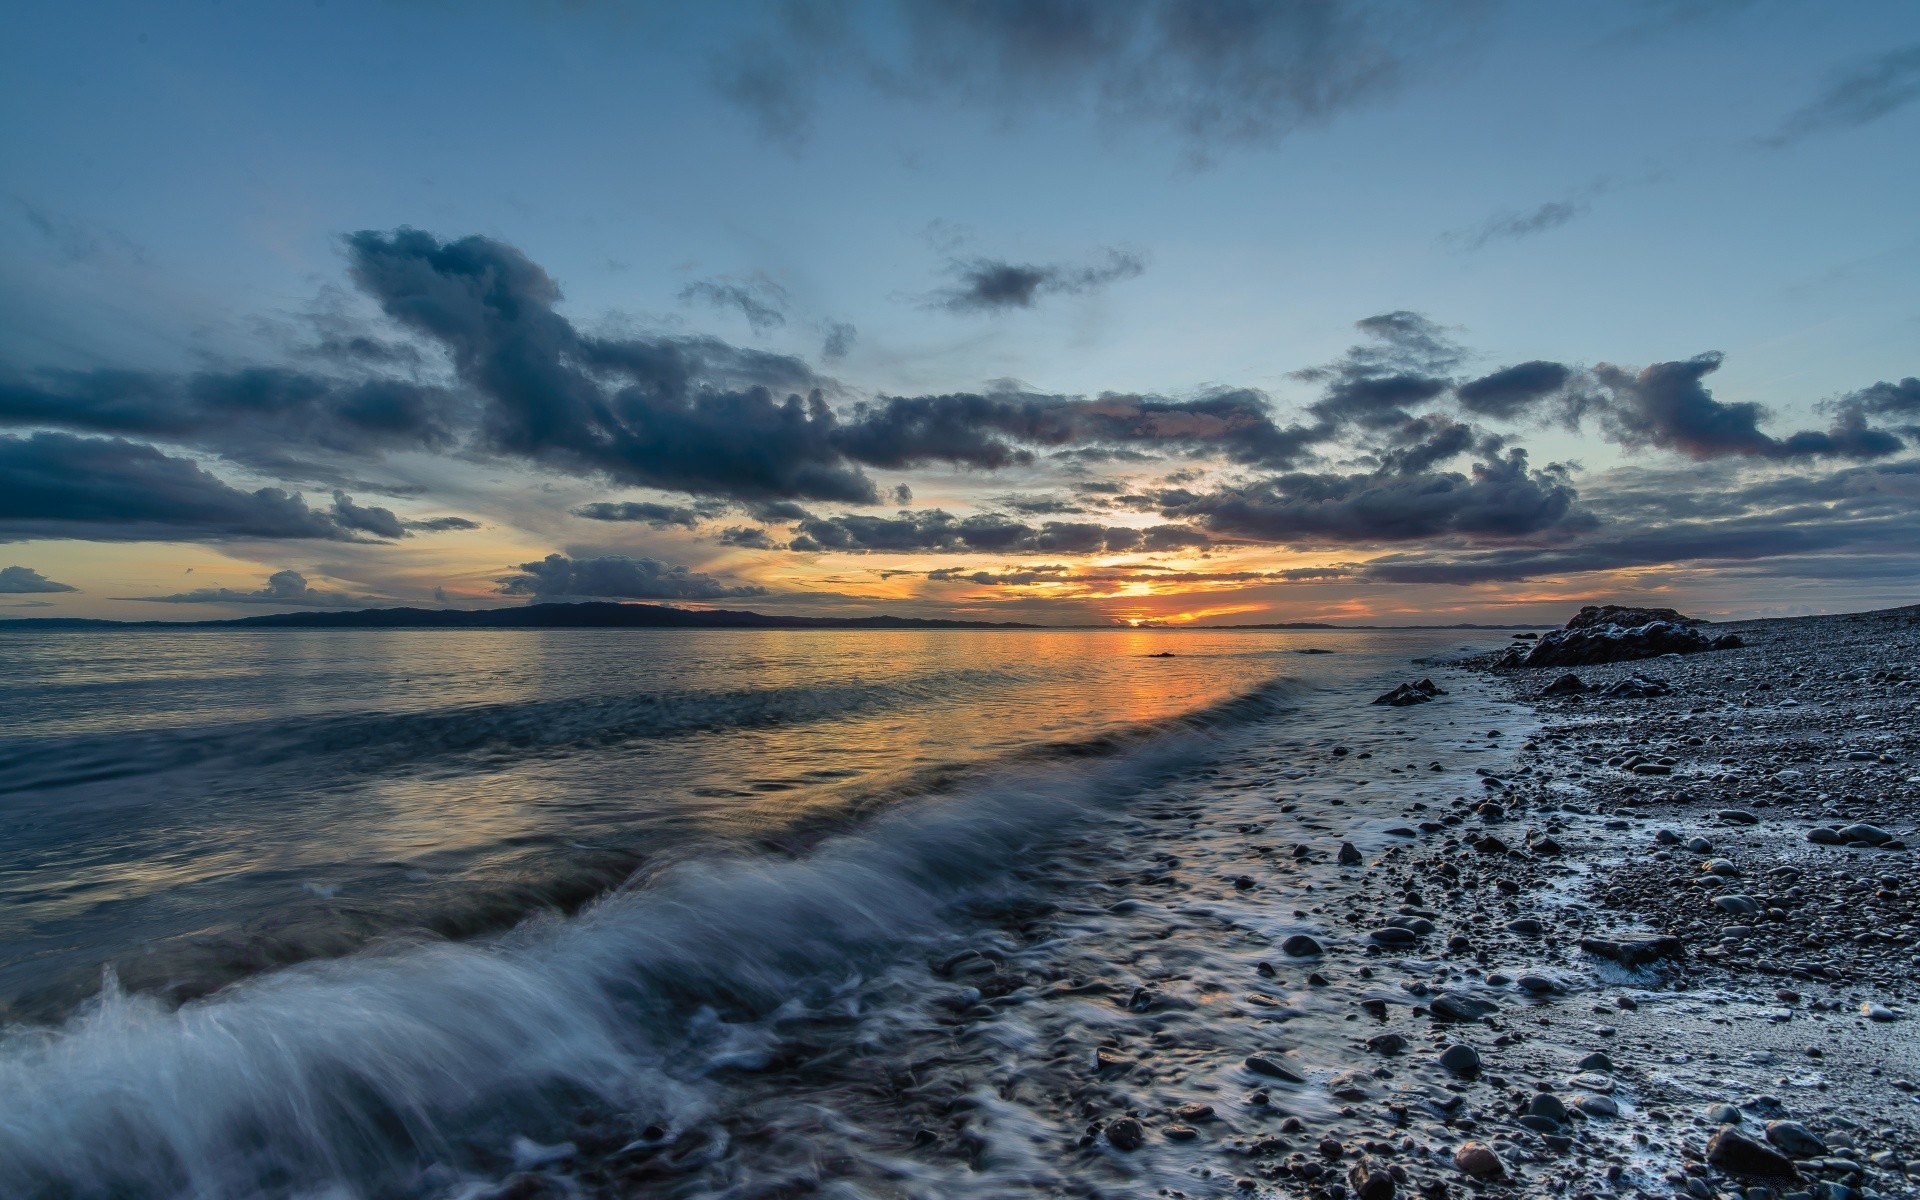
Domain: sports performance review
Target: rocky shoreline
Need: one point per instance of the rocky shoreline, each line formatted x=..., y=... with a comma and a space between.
x=1658, y=940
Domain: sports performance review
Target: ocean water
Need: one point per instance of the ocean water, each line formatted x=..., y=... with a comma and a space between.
x=370, y=914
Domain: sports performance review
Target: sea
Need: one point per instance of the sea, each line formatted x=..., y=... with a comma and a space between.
x=517, y=913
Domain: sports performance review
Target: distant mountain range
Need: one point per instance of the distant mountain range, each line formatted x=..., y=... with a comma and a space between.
x=610, y=615
x=601, y=614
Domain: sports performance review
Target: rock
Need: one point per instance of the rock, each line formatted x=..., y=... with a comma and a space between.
x=1738, y=816
x=1260, y=1064
x=1459, y=1059
x=1613, y=634
x=1873, y=835
x=1350, y=857
x=1386, y=1043
x=1636, y=687
x=1699, y=845
x=1795, y=1140
x=1597, y=1106
x=1194, y=1112
x=1392, y=935
x=1350, y=1086
x=1105, y=1059
x=1825, y=835
x=1548, y=1105
x=1877, y=1012
x=1179, y=1133
x=1745, y=906
x=1451, y=1006
x=1597, y=1061
x=1301, y=946
x=1526, y=927
x=1633, y=952
x=1540, y=985
x=1737, y=1154
x=1567, y=685
x=1370, y=1180
x=1723, y=1114
x=1418, y=692
x=1126, y=1134
x=1593, y=616
x=1478, y=1160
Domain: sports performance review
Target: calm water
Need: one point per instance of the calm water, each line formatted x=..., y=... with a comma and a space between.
x=182, y=811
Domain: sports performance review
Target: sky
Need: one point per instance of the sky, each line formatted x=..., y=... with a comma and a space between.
x=1065, y=311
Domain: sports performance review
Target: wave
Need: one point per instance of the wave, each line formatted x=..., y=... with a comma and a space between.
x=372, y=740
x=382, y=1072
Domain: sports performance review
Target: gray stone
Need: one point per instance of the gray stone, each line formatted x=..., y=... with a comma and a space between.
x=1301, y=946
x=1459, y=1059
x=1126, y=1134
x=1795, y=1140
x=1737, y=1154
x=1478, y=1160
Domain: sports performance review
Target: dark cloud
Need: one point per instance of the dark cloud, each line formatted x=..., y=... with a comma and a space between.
x=1855, y=96
x=748, y=537
x=994, y=430
x=938, y=531
x=1214, y=74
x=759, y=299
x=686, y=414
x=253, y=415
x=1667, y=405
x=616, y=577
x=442, y=524
x=660, y=516
x=107, y=489
x=283, y=587
x=380, y=522
x=1501, y=498
x=991, y=285
x=1512, y=392
x=1656, y=520
x=1896, y=401
x=1404, y=362
x=838, y=342
x=18, y=581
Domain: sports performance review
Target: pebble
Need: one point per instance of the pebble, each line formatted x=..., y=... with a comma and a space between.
x=1479, y=1160
x=1349, y=856
x=1387, y=1043
x=1126, y=1134
x=1301, y=946
x=1260, y=1064
x=1597, y=1106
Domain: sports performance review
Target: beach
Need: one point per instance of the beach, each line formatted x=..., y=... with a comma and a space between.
x=1291, y=942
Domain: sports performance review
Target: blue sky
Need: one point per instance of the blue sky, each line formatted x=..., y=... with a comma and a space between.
x=1635, y=185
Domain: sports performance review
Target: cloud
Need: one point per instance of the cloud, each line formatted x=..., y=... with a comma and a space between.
x=251, y=415
x=1404, y=362
x=1518, y=224
x=1211, y=74
x=441, y=524
x=1501, y=498
x=108, y=489
x=616, y=577
x=660, y=516
x=760, y=300
x=686, y=414
x=22, y=580
x=1511, y=392
x=283, y=587
x=1667, y=405
x=838, y=342
x=747, y=537
x=997, y=429
x=938, y=531
x=1856, y=95
x=380, y=522
x=1657, y=521
x=992, y=285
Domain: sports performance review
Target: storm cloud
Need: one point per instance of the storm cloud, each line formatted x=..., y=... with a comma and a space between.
x=616, y=577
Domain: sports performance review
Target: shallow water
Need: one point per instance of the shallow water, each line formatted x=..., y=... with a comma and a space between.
x=799, y=818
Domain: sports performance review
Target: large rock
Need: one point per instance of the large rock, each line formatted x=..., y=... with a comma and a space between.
x=1737, y=1154
x=1418, y=692
x=1633, y=951
x=1610, y=633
